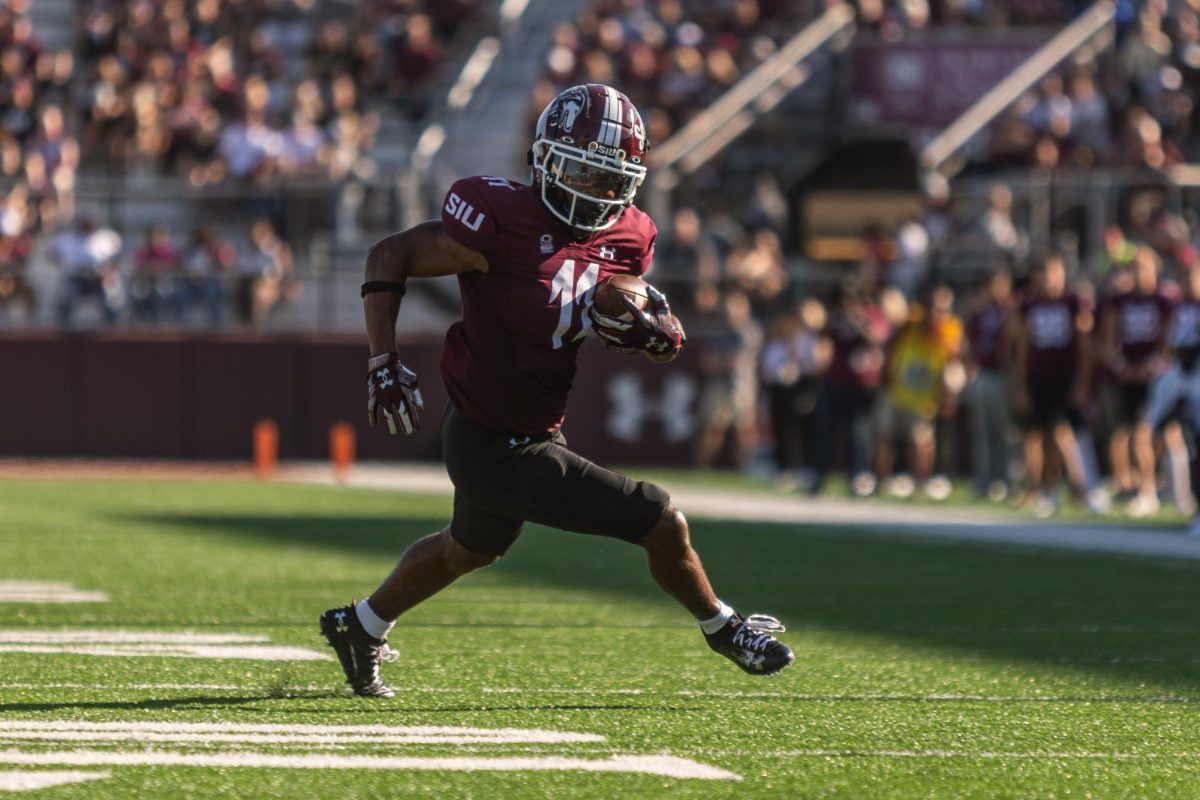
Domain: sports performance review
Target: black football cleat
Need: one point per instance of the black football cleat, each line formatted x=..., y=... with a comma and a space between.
x=749, y=644
x=359, y=652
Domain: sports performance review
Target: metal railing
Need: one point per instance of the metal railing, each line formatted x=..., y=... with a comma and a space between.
x=713, y=129
x=1095, y=27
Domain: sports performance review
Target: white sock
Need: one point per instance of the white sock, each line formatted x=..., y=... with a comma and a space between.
x=372, y=623
x=714, y=624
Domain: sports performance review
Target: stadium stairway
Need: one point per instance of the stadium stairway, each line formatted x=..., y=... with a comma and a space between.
x=491, y=134
x=398, y=133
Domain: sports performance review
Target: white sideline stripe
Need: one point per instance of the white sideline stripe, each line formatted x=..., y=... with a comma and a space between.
x=946, y=754
x=666, y=766
x=248, y=652
x=231, y=731
x=47, y=592
x=28, y=781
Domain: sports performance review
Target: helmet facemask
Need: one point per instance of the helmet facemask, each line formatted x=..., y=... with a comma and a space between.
x=582, y=188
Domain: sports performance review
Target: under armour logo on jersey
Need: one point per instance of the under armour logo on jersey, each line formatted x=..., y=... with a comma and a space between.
x=608, y=252
x=384, y=380
x=461, y=210
x=546, y=243
x=514, y=441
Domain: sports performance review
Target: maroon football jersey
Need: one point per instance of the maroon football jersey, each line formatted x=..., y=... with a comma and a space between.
x=1141, y=323
x=509, y=363
x=1050, y=328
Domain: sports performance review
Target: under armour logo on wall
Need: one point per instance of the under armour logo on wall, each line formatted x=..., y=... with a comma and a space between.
x=632, y=408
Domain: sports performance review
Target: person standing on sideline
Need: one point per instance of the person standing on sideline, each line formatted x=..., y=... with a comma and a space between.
x=1050, y=368
x=1133, y=334
x=857, y=330
x=987, y=362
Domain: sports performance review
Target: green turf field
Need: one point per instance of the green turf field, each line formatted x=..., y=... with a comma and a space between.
x=923, y=670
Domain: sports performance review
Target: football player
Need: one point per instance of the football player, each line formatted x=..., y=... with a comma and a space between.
x=1134, y=339
x=527, y=257
x=1049, y=381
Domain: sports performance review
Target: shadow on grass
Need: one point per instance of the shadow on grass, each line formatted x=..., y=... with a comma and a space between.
x=149, y=704
x=1133, y=619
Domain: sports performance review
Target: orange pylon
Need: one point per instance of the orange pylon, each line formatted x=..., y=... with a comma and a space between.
x=341, y=449
x=266, y=447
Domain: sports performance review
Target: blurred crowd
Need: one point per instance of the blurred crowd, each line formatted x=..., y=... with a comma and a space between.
x=203, y=278
x=1134, y=107
x=895, y=18
x=39, y=154
x=1046, y=373
x=214, y=91
x=674, y=57
x=253, y=89
x=671, y=57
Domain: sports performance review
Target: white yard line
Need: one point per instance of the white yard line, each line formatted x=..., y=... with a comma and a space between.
x=47, y=592
x=666, y=766
x=29, y=780
x=169, y=644
x=251, y=652
x=954, y=524
x=328, y=740
x=148, y=687
x=101, y=636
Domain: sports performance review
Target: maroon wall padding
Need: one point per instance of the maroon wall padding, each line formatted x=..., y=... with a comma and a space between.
x=38, y=403
x=133, y=397
x=198, y=396
x=267, y=375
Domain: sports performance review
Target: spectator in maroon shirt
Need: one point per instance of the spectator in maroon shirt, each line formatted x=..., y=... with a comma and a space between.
x=857, y=330
x=208, y=266
x=154, y=285
x=415, y=61
x=1133, y=338
x=1049, y=376
x=15, y=288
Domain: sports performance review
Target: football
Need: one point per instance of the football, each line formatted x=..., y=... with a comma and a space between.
x=607, y=299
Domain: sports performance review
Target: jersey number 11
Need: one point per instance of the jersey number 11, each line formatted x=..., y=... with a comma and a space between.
x=571, y=293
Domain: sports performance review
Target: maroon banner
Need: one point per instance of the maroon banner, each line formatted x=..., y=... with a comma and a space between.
x=928, y=83
x=175, y=396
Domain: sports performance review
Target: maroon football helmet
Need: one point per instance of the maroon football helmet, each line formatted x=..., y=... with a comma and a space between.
x=589, y=156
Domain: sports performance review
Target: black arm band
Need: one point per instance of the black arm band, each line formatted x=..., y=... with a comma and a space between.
x=370, y=287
